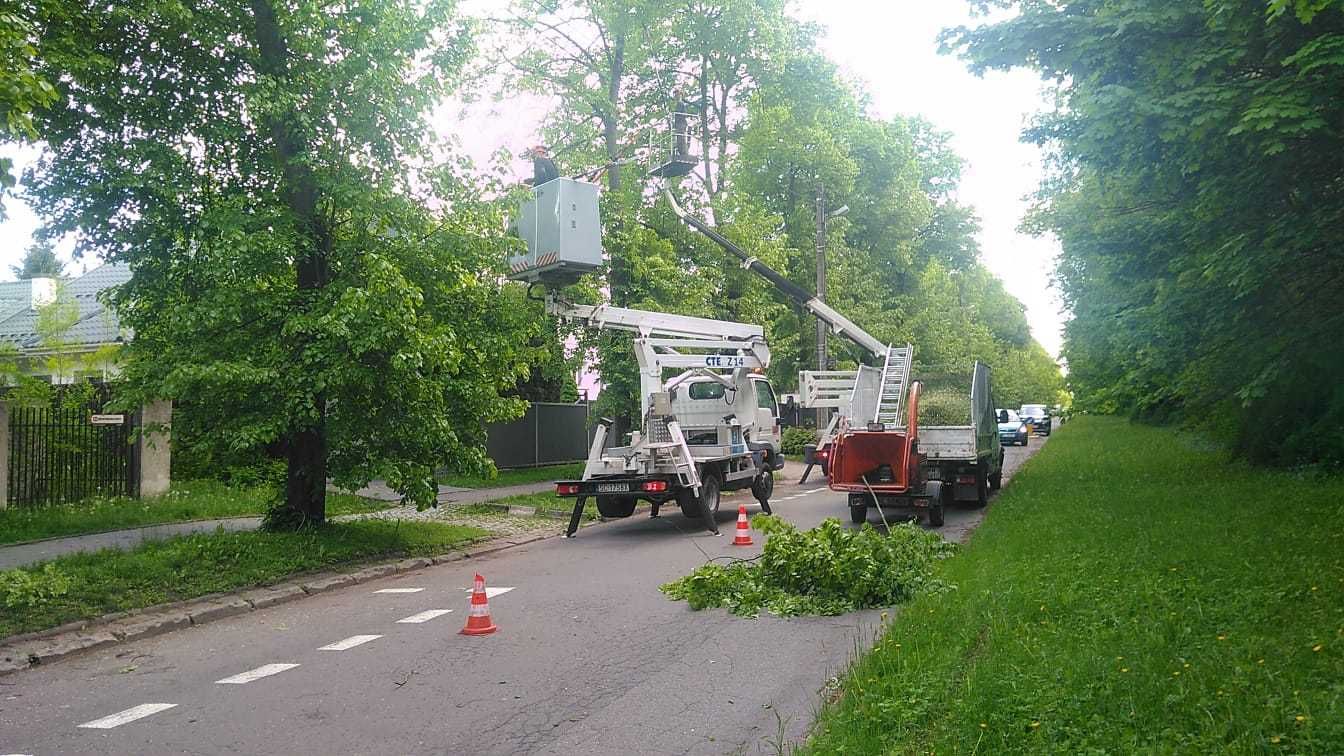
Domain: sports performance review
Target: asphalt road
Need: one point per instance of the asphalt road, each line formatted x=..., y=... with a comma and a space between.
x=590, y=659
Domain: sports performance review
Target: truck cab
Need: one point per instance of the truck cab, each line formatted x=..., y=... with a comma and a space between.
x=711, y=412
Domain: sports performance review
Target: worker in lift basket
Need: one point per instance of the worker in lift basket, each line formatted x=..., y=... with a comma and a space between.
x=543, y=167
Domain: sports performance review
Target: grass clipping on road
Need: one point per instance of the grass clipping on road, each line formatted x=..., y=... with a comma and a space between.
x=830, y=569
x=1131, y=592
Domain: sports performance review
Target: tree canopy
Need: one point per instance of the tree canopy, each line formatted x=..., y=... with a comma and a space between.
x=1198, y=192
x=306, y=275
x=776, y=124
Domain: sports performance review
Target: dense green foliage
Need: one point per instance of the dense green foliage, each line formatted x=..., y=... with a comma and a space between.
x=87, y=585
x=188, y=500
x=1131, y=591
x=22, y=89
x=795, y=439
x=306, y=272
x=1198, y=192
x=775, y=122
x=830, y=569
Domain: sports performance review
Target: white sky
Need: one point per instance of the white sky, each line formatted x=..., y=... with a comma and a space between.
x=890, y=46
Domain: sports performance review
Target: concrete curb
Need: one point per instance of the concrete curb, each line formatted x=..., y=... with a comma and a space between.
x=19, y=652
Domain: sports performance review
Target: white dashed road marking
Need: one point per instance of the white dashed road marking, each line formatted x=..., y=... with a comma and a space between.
x=130, y=715
x=424, y=616
x=399, y=590
x=265, y=670
x=349, y=643
x=491, y=592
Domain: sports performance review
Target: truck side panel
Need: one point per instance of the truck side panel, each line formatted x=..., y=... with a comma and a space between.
x=948, y=442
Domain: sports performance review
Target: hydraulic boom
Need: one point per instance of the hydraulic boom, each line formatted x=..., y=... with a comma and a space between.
x=838, y=323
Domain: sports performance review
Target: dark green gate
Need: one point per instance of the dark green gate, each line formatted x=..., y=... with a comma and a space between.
x=62, y=454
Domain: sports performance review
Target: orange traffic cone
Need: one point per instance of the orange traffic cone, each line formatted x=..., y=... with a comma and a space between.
x=743, y=528
x=478, y=620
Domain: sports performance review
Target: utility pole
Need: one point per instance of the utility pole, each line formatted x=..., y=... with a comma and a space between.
x=821, y=293
x=823, y=219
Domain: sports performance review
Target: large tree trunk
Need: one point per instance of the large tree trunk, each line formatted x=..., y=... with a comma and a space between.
x=611, y=135
x=619, y=275
x=306, y=444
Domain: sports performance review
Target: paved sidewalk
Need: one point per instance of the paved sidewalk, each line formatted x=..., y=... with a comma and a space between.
x=28, y=553
x=24, y=554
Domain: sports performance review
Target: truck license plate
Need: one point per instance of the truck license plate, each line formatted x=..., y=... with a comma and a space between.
x=613, y=487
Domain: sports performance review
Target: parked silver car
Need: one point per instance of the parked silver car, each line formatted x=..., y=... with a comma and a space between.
x=1012, y=430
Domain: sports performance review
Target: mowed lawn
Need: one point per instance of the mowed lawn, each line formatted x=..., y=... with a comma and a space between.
x=188, y=500
x=1130, y=591
x=88, y=584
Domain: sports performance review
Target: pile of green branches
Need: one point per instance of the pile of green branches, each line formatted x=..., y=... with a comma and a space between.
x=827, y=570
x=944, y=407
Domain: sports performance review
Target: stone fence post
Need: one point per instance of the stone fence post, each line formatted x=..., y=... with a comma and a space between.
x=154, y=448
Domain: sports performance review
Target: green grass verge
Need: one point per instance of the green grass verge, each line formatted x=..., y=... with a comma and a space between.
x=1131, y=591
x=516, y=477
x=190, y=500
x=542, y=502
x=86, y=585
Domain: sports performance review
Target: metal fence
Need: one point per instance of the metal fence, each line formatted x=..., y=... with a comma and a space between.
x=546, y=434
x=58, y=454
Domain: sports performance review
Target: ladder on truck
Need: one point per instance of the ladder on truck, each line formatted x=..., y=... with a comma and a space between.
x=665, y=437
x=895, y=378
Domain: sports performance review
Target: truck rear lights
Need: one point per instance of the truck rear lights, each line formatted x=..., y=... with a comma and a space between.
x=966, y=480
x=654, y=486
x=566, y=489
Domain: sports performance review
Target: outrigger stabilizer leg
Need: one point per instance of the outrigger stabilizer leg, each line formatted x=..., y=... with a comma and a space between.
x=709, y=517
x=575, y=517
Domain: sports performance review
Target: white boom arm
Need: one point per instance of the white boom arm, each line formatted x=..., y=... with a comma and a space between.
x=647, y=323
x=680, y=342
x=838, y=323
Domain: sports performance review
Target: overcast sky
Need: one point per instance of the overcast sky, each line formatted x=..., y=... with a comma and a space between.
x=891, y=47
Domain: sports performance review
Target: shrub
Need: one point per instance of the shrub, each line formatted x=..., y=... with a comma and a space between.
x=829, y=569
x=796, y=438
x=32, y=588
